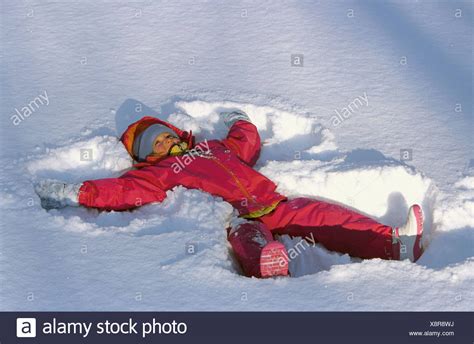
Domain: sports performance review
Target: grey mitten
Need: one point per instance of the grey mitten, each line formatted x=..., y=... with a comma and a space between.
x=56, y=195
x=231, y=117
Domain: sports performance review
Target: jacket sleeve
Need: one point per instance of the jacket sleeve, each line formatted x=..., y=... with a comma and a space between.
x=243, y=139
x=131, y=190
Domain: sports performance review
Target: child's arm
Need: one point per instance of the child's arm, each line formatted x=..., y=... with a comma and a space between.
x=131, y=190
x=122, y=193
x=243, y=138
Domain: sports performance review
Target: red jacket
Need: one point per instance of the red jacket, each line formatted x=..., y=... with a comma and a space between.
x=221, y=168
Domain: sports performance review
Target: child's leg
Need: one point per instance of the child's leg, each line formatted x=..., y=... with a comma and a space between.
x=335, y=227
x=257, y=252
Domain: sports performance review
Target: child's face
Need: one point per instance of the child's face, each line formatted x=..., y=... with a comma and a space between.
x=164, y=142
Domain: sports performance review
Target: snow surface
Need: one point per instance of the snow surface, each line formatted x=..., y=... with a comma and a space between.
x=105, y=62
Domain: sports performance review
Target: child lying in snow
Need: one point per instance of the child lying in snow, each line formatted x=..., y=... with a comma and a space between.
x=224, y=168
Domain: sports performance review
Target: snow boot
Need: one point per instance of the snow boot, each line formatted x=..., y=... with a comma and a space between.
x=256, y=251
x=274, y=260
x=410, y=235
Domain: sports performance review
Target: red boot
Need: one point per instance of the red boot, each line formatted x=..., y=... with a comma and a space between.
x=257, y=252
x=273, y=260
x=410, y=235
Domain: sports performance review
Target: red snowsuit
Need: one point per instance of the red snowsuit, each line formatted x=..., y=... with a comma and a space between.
x=224, y=168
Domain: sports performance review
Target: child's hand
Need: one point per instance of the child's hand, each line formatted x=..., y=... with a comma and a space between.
x=55, y=195
x=231, y=117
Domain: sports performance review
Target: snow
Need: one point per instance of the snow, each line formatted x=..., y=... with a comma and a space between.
x=104, y=63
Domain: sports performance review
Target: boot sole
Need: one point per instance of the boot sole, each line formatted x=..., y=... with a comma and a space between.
x=274, y=260
x=418, y=247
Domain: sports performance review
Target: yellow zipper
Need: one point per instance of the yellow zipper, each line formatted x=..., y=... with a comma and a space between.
x=237, y=181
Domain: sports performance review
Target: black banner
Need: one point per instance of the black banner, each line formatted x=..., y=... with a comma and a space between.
x=277, y=327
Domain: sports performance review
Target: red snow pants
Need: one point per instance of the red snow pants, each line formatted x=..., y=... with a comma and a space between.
x=335, y=227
